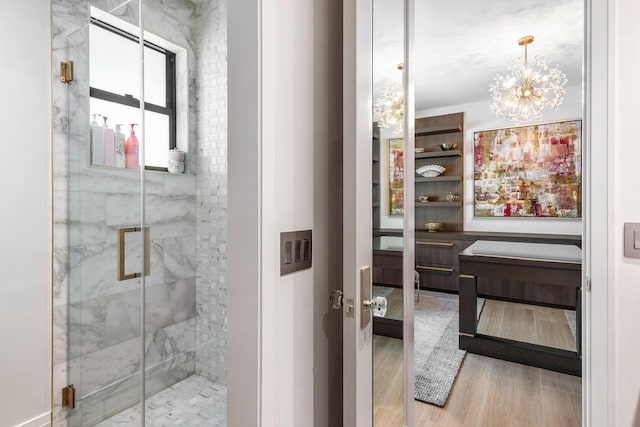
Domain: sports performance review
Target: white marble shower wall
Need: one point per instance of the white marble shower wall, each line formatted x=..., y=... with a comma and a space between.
x=211, y=285
x=96, y=318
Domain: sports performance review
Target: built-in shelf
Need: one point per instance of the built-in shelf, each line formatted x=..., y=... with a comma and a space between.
x=376, y=171
x=431, y=154
x=434, y=204
x=445, y=178
x=437, y=130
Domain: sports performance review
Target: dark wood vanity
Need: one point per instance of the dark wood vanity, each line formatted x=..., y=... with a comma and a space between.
x=436, y=260
x=556, y=265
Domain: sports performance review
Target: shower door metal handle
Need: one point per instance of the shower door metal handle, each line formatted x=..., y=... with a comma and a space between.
x=121, y=249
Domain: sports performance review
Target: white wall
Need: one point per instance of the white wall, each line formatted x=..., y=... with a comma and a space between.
x=297, y=79
x=627, y=209
x=25, y=217
x=301, y=116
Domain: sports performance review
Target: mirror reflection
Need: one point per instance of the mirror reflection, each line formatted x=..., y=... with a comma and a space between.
x=498, y=94
x=388, y=210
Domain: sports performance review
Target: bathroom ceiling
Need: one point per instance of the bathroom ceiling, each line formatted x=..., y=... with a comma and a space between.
x=461, y=44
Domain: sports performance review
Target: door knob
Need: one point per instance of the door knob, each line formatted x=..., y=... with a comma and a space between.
x=335, y=298
x=337, y=301
x=377, y=305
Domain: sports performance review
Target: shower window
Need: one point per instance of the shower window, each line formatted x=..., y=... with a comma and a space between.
x=115, y=88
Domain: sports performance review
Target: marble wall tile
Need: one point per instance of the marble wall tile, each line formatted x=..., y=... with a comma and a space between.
x=60, y=335
x=122, y=317
x=170, y=303
x=60, y=380
x=180, y=257
x=92, y=414
x=60, y=266
x=170, y=368
x=166, y=344
x=86, y=323
x=122, y=399
x=161, y=380
x=179, y=184
x=93, y=372
x=60, y=219
x=113, y=180
x=212, y=188
x=92, y=269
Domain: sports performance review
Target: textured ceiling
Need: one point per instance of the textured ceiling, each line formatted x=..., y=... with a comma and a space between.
x=461, y=44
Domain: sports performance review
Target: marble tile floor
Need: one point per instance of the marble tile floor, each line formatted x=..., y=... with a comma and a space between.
x=193, y=402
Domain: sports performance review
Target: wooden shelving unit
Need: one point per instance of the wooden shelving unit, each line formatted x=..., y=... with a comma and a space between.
x=438, y=204
x=438, y=154
x=430, y=133
x=438, y=129
x=375, y=171
x=440, y=178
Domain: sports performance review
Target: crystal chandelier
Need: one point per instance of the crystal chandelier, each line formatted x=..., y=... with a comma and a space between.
x=521, y=95
x=388, y=109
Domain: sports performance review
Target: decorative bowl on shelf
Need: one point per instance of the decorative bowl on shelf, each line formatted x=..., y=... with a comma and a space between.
x=448, y=147
x=452, y=197
x=432, y=227
x=430, y=171
x=423, y=198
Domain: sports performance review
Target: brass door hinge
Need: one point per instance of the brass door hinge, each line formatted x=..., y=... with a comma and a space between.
x=69, y=397
x=66, y=72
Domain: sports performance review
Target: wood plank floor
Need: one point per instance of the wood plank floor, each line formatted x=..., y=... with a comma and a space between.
x=487, y=391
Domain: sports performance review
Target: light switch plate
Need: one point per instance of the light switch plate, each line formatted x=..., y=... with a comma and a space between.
x=295, y=251
x=632, y=239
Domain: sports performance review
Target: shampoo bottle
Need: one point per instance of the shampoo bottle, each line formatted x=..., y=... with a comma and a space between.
x=109, y=144
x=131, y=151
x=97, y=143
x=119, y=147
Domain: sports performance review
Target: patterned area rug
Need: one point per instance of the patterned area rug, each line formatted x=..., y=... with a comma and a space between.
x=437, y=357
x=381, y=291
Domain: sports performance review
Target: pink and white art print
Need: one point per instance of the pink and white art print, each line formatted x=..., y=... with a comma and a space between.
x=529, y=171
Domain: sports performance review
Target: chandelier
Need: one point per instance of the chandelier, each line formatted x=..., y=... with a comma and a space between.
x=388, y=109
x=527, y=89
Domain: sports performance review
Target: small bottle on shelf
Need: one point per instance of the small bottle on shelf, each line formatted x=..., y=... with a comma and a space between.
x=119, y=160
x=109, y=144
x=97, y=142
x=132, y=150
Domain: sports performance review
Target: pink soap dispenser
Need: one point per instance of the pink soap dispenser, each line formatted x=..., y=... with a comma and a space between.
x=132, y=151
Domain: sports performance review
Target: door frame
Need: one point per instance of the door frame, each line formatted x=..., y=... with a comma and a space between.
x=597, y=290
x=245, y=386
x=357, y=200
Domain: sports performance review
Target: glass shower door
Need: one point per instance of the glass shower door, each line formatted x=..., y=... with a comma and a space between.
x=125, y=237
x=106, y=250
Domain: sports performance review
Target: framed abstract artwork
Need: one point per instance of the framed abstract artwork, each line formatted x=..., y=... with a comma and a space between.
x=529, y=171
x=396, y=177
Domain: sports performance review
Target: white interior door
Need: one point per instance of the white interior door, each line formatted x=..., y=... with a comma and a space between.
x=357, y=222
